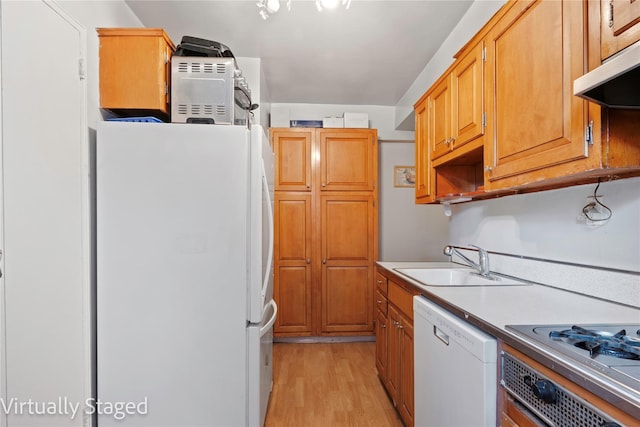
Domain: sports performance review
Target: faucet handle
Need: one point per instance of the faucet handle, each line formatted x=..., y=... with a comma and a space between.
x=484, y=260
x=481, y=250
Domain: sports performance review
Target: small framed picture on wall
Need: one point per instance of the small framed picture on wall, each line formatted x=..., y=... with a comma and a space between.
x=404, y=176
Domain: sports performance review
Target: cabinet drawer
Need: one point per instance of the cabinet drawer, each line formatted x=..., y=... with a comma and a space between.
x=381, y=283
x=401, y=298
x=381, y=302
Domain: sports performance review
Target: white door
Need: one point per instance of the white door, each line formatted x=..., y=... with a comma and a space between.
x=46, y=221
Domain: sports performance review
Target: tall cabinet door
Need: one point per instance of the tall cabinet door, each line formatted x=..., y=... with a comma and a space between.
x=292, y=149
x=45, y=352
x=348, y=159
x=347, y=255
x=292, y=252
x=549, y=128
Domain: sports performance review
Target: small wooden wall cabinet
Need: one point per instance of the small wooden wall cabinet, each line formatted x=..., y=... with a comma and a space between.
x=135, y=71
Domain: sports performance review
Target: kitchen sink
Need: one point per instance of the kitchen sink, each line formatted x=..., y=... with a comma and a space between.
x=455, y=277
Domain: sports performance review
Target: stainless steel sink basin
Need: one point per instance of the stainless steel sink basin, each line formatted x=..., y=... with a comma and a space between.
x=454, y=277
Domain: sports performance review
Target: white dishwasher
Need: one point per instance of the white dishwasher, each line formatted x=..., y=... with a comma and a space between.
x=455, y=370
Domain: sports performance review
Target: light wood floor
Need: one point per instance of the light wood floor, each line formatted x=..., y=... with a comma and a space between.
x=328, y=384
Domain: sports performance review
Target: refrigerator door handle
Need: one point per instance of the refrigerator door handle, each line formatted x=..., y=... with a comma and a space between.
x=269, y=324
x=267, y=274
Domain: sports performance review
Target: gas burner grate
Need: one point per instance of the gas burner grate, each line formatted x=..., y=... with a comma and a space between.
x=598, y=342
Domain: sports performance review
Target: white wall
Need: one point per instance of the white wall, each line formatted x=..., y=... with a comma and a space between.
x=544, y=225
x=380, y=117
x=478, y=14
x=407, y=232
x=253, y=72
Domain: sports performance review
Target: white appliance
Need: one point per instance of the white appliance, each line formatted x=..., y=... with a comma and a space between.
x=455, y=370
x=184, y=274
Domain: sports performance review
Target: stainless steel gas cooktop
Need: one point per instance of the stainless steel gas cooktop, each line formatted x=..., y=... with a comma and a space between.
x=610, y=351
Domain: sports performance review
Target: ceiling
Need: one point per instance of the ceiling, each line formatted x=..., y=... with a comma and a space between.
x=369, y=54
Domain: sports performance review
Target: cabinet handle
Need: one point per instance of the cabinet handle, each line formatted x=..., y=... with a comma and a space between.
x=308, y=261
x=324, y=184
x=611, y=14
x=488, y=168
x=379, y=302
x=447, y=141
x=379, y=282
x=308, y=186
x=382, y=325
x=324, y=261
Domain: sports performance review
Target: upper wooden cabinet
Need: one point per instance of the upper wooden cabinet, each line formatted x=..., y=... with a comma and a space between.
x=515, y=124
x=439, y=123
x=135, y=71
x=456, y=105
x=292, y=149
x=535, y=52
x=331, y=159
x=423, y=153
x=347, y=159
x=620, y=25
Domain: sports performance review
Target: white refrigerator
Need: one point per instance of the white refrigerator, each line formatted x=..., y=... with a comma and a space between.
x=184, y=307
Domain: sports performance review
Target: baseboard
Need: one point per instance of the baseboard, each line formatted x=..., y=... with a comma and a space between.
x=311, y=340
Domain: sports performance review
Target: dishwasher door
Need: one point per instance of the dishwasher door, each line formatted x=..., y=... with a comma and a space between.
x=455, y=370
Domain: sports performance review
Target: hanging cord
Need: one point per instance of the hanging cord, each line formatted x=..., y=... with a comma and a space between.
x=587, y=210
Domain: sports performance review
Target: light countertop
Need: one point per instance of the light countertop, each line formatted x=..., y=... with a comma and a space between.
x=491, y=308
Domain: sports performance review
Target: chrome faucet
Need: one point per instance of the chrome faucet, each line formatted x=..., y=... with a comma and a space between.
x=483, y=259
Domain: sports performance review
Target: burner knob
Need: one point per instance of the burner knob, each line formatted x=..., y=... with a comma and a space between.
x=544, y=390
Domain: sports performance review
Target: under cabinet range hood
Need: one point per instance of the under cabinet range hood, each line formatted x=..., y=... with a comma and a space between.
x=615, y=83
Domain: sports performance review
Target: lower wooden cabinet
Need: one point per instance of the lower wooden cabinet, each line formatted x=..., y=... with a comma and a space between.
x=394, y=347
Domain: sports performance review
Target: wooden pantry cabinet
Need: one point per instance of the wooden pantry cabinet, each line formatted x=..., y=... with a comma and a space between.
x=326, y=233
x=533, y=132
x=135, y=71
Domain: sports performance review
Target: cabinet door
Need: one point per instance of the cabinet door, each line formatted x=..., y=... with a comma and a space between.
x=292, y=150
x=620, y=25
x=292, y=252
x=533, y=54
x=626, y=13
x=393, y=354
x=348, y=159
x=381, y=345
x=134, y=69
x=347, y=271
x=439, y=132
x=406, y=399
x=468, y=98
x=423, y=154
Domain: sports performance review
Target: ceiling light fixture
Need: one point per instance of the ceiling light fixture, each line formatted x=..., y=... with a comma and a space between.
x=269, y=7
x=332, y=4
